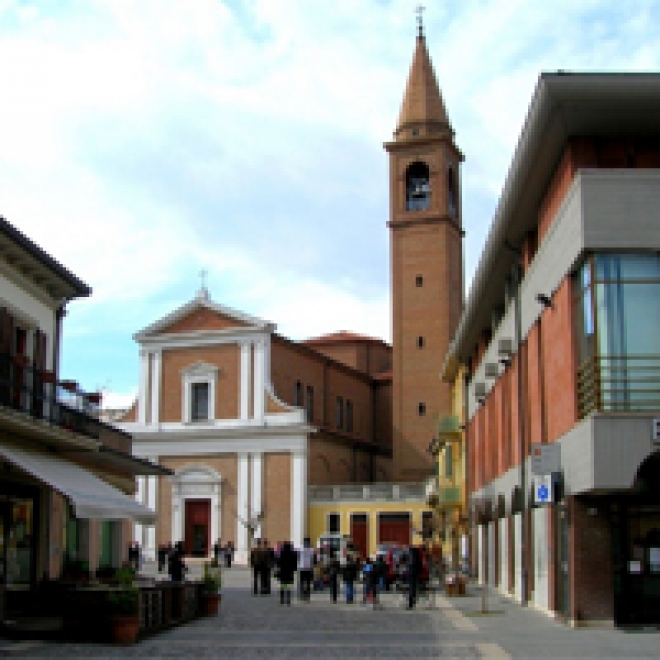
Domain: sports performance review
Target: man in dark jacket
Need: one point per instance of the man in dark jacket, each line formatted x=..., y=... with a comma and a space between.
x=287, y=564
x=333, y=574
x=256, y=563
x=414, y=574
x=350, y=573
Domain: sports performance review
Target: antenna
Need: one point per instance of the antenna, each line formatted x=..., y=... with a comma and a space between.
x=419, y=10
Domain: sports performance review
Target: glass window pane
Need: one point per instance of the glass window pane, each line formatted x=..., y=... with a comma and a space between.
x=200, y=401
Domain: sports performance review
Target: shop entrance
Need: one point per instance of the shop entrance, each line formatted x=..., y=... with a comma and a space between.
x=198, y=523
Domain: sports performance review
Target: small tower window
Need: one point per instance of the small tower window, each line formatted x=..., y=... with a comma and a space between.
x=419, y=281
x=418, y=188
x=421, y=409
x=452, y=196
x=421, y=342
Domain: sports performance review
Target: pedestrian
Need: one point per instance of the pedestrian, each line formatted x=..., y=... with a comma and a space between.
x=177, y=566
x=306, y=562
x=334, y=568
x=267, y=567
x=367, y=579
x=414, y=574
x=217, y=549
x=350, y=573
x=229, y=554
x=162, y=555
x=256, y=559
x=287, y=565
x=380, y=577
x=131, y=555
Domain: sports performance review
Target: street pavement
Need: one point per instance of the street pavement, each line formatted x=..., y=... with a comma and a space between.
x=259, y=627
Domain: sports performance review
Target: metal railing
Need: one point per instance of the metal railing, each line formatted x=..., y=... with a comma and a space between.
x=618, y=383
x=34, y=392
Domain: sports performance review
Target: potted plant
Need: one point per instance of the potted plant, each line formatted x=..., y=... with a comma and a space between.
x=211, y=583
x=123, y=604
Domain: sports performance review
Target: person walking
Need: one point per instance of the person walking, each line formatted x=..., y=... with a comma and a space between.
x=367, y=579
x=333, y=573
x=414, y=573
x=380, y=577
x=306, y=561
x=287, y=565
x=266, y=567
x=217, y=549
x=177, y=567
x=229, y=554
x=256, y=559
x=350, y=573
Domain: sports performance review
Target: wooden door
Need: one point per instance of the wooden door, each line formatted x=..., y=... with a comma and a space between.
x=360, y=533
x=394, y=528
x=198, y=528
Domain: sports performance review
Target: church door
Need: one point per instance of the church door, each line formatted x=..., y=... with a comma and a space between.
x=198, y=525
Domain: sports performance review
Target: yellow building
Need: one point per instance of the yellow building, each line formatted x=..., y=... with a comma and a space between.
x=370, y=513
x=446, y=490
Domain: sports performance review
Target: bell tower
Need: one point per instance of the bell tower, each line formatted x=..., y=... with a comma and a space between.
x=426, y=264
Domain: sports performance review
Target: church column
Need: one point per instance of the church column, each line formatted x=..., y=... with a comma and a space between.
x=149, y=548
x=216, y=513
x=257, y=490
x=177, y=513
x=156, y=364
x=246, y=379
x=243, y=513
x=138, y=528
x=298, y=498
x=144, y=383
x=259, y=384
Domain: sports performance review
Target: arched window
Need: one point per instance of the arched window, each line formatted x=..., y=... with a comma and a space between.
x=452, y=197
x=418, y=188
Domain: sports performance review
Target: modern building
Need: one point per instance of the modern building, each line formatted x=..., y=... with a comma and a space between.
x=247, y=420
x=560, y=347
x=68, y=479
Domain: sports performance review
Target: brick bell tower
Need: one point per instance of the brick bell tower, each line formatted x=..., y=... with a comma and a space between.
x=426, y=264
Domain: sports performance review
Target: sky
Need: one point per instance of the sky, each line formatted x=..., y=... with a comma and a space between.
x=141, y=142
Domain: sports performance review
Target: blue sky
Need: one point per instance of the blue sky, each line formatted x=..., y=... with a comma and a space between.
x=143, y=141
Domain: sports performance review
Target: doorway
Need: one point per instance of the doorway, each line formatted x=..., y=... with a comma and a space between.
x=197, y=528
x=360, y=532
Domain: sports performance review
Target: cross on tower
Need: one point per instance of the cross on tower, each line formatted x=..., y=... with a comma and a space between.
x=202, y=274
x=419, y=10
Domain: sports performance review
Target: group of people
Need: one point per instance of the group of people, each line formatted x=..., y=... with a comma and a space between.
x=316, y=569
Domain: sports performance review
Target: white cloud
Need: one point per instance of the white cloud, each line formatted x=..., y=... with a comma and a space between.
x=140, y=142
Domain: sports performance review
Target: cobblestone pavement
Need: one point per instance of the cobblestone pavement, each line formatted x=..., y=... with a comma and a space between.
x=259, y=627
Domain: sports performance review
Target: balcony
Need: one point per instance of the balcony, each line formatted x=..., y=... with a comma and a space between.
x=33, y=403
x=407, y=492
x=629, y=383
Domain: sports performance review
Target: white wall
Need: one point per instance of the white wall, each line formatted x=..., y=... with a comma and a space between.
x=504, y=554
x=540, y=597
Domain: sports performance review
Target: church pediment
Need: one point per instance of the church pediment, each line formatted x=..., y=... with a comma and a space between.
x=202, y=315
x=200, y=369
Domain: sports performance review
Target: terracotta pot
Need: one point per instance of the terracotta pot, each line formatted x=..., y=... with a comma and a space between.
x=211, y=604
x=125, y=629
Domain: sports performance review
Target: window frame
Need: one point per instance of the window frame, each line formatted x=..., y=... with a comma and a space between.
x=199, y=373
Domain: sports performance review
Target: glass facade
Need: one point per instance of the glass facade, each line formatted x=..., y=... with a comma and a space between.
x=617, y=316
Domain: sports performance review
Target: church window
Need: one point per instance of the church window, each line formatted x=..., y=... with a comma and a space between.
x=199, y=402
x=421, y=342
x=418, y=189
x=199, y=388
x=452, y=195
x=297, y=399
x=419, y=281
x=421, y=409
x=339, y=421
x=349, y=415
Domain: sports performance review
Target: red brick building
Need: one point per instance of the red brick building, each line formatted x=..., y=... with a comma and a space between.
x=559, y=339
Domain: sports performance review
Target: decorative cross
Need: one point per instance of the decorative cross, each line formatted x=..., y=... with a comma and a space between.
x=202, y=274
x=419, y=10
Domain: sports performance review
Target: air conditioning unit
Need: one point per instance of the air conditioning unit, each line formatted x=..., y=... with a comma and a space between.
x=505, y=347
x=480, y=390
x=492, y=370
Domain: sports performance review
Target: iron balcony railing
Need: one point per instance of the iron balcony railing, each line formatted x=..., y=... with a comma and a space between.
x=617, y=383
x=368, y=492
x=36, y=393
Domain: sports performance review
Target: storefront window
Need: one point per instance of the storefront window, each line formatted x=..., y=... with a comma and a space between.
x=16, y=540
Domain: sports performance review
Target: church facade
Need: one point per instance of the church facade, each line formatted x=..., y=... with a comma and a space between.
x=247, y=419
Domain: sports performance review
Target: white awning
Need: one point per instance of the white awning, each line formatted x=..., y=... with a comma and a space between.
x=90, y=496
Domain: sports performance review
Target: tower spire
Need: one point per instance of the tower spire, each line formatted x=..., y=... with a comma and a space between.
x=422, y=110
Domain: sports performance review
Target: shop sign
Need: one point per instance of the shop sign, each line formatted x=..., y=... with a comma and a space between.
x=543, y=490
x=545, y=458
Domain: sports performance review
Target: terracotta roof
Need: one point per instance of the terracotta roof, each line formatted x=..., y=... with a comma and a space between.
x=341, y=336
x=422, y=102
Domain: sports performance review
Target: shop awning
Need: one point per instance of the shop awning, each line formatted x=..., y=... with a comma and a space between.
x=90, y=496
